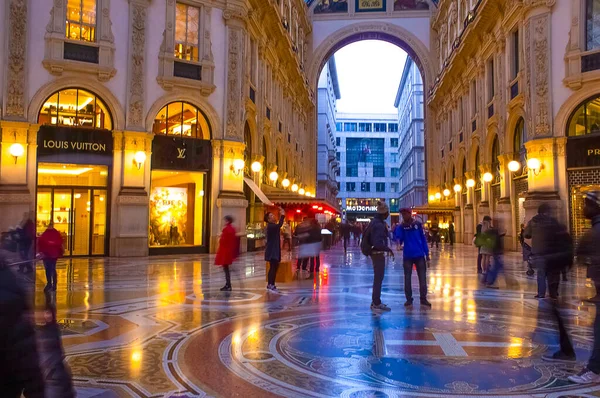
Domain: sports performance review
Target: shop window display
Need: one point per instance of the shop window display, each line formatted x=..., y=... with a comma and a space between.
x=586, y=119
x=181, y=119
x=176, y=209
x=76, y=108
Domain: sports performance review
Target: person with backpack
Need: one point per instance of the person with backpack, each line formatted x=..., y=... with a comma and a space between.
x=416, y=252
x=228, y=251
x=374, y=244
x=588, y=254
x=51, y=248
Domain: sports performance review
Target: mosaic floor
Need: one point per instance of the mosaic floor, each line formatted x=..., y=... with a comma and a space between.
x=160, y=327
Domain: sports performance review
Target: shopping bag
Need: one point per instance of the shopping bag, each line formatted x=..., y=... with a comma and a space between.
x=284, y=272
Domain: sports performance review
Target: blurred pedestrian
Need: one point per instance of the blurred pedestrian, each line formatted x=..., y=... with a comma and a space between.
x=588, y=253
x=20, y=372
x=375, y=245
x=345, y=232
x=416, y=253
x=286, y=231
x=497, y=265
x=228, y=251
x=485, y=241
x=26, y=238
x=316, y=240
x=303, y=236
x=51, y=249
x=451, y=233
x=273, y=246
x=435, y=234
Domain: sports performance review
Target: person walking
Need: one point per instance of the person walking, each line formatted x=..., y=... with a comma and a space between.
x=51, y=249
x=485, y=241
x=496, y=238
x=273, y=246
x=228, y=251
x=542, y=230
x=588, y=253
x=20, y=373
x=435, y=234
x=415, y=253
x=375, y=244
x=477, y=233
x=315, y=240
x=303, y=235
x=26, y=238
x=451, y=234
x=286, y=231
x=345, y=232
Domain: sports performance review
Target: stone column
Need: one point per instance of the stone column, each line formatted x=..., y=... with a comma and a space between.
x=504, y=208
x=483, y=209
x=227, y=189
x=136, y=69
x=469, y=213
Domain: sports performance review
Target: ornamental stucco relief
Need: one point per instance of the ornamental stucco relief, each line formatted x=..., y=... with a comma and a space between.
x=17, y=47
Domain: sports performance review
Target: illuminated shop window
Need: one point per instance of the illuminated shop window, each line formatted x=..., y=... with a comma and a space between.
x=76, y=108
x=183, y=119
x=586, y=119
x=81, y=20
x=187, y=26
x=176, y=209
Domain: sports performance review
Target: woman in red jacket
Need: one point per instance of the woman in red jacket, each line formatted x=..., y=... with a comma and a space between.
x=227, y=251
x=50, y=246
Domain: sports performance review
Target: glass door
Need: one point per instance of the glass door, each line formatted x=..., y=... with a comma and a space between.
x=62, y=215
x=99, y=222
x=80, y=226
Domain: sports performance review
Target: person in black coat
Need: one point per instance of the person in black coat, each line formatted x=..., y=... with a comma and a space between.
x=19, y=364
x=273, y=246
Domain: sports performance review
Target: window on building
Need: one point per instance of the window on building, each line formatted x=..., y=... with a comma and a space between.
x=392, y=127
x=495, y=160
x=81, y=20
x=379, y=127
x=351, y=171
x=592, y=25
x=338, y=141
x=338, y=186
x=380, y=187
x=187, y=28
x=366, y=127
x=395, y=172
x=349, y=126
x=351, y=186
x=183, y=119
x=460, y=113
x=516, y=58
x=337, y=172
x=519, y=141
x=77, y=108
x=586, y=119
x=394, y=142
x=394, y=157
x=365, y=187
x=338, y=156
x=339, y=127
x=379, y=171
x=473, y=98
x=490, y=80
x=394, y=187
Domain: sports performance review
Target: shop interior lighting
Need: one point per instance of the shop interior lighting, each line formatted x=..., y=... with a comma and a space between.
x=514, y=166
x=285, y=183
x=470, y=183
x=457, y=188
x=488, y=177
x=256, y=167
x=139, y=158
x=294, y=187
x=72, y=172
x=446, y=192
x=16, y=150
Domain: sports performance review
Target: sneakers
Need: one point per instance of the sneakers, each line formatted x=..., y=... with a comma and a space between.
x=380, y=308
x=425, y=303
x=226, y=288
x=586, y=376
x=408, y=303
x=558, y=356
x=272, y=288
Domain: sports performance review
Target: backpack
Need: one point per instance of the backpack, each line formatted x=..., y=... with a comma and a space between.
x=365, y=244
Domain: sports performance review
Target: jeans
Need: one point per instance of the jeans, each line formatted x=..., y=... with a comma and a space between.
x=378, y=274
x=315, y=260
x=546, y=276
x=594, y=362
x=346, y=239
x=273, y=266
x=227, y=275
x=50, y=267
x=497, y=266
x=421, y=273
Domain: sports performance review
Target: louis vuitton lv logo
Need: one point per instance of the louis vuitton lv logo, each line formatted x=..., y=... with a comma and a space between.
x=181, y=153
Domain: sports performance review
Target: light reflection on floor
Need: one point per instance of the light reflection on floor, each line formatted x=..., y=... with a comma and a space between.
x=160, y=327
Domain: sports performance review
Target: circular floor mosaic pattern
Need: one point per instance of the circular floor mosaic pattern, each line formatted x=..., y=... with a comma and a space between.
x=412, y=354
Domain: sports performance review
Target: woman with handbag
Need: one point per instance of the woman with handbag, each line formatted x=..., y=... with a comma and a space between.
x=228, y=251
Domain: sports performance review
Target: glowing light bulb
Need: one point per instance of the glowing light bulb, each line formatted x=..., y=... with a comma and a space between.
x=514, y=166
x=470, y=183
x=446, y=192
x=256, y=166
x=457, y=188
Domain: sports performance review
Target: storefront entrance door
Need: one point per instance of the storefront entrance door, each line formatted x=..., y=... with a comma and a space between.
x=78, y=214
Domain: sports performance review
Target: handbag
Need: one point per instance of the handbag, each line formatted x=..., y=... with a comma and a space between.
x=309, y=250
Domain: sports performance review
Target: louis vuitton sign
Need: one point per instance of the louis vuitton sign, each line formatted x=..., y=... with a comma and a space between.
x=72, y=144
x=176, y=153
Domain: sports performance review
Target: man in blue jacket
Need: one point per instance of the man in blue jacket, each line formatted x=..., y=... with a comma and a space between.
x=416, y=252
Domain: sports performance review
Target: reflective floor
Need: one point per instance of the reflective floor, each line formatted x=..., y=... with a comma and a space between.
x=160, y=327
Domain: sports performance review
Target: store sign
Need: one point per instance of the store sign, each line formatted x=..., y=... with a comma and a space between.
x=361, y=208
x=57, y=140
x=175, y=153
x=370, y=5
x=583, y=152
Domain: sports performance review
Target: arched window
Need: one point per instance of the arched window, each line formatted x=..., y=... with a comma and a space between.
x=75, y=108
x=519, y=141
x=586, y=118
x=495, y=161
x=181, y=119
x=464, y=168
x=264, y=151
x=477, y=172
x=248, y=142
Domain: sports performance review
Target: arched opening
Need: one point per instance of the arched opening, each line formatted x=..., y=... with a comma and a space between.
x=496, y=172
x=585, y=120
x=478, y=183
x=74, y=164
x=179, y=189
x=519, y=178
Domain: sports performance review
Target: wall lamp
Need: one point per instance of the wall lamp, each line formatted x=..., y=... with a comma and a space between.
x=285, y=183
x=431, y=198
x=470, y=183
x=16, y=150
x=301, y=191
x=488, y=177
x=446, y=192
x=514, y=166
x=139, y=158
x=294, y=187
x=273, y=176
x=256, y=166
x=237, y=167
x=457, y=188
x=438, y=196
x=535, y=165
